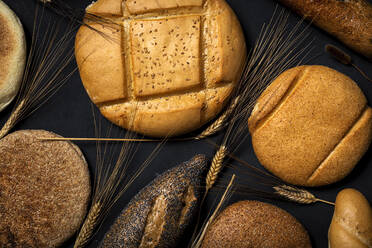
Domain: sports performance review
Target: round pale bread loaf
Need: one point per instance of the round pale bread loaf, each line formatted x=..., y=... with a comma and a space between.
x=253, y=224
x=311, y=126
x=44, y=190
x=167, y=68
x=12, y=54
x=351, y=224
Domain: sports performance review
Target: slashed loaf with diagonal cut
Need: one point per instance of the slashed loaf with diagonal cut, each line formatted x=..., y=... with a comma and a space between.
x=166, y=67
x=311, y=126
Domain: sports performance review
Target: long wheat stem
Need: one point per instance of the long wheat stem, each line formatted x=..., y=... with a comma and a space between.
x=87, y=230
x=198, y=242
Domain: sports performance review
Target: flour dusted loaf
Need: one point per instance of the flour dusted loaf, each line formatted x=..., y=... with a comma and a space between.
x=253, y=224
x=12, y=54
x=352, y=221
x=167, y=68
x=311, y=126
x=44, y=190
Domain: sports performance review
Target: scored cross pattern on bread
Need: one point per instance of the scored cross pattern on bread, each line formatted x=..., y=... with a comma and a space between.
x=167, y=68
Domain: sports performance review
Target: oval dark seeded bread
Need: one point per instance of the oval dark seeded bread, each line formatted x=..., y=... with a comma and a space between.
x=159, y=214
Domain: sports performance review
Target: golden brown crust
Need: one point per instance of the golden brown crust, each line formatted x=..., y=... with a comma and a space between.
x=352, y=221
x=311, y=126
x=350, y=21
x=12, y=54
x=249, y=224
x=175, y=64
x=44, y=190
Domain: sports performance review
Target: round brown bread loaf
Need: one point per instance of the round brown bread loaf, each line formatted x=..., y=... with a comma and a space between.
x=311, y=126
x=352, y=221
x=253, y=224
x=12, y=54
x=44, y=190
x=167, y=68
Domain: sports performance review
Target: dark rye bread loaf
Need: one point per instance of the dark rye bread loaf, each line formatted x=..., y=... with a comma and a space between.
x=159, y=214
x=168, y=67
x=311, y=126
x=44, y=190
x=253, y=224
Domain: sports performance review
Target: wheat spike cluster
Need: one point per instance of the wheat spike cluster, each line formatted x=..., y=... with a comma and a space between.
x=216, y=167
x=298, y=195
x=218, y=124
x=88, y=227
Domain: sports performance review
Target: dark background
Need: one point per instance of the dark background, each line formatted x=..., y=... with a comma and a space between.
x=69, y=114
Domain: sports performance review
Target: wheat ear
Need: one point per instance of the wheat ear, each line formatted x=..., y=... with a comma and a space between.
x=9, y=124
x=197, y=242
x=218, y=124
x=216, y=167
x=298, y=195
x=89, y=226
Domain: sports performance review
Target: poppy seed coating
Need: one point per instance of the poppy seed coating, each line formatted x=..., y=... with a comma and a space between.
x=158, y=215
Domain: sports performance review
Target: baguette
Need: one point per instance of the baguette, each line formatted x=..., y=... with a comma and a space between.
x=159, y=214
x=351, y=224
x=349, y=21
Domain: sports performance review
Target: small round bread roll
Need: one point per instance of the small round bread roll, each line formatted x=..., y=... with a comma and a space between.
x=253, y=224
x=12, y=54
x=44, y=190
x=351, y=224
x=167, y=68
x=311, y=126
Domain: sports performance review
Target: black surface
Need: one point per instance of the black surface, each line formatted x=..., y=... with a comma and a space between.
x=69, y=114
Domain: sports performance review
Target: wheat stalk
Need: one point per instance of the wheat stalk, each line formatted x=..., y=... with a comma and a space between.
x=200, y=237
x=298, y=195
x=45, y=71
x=216, y=167
x=12, y=120
x=218, y=124
x=111, y=179
x=344, y=58
x=274, y=52
x=89, y=226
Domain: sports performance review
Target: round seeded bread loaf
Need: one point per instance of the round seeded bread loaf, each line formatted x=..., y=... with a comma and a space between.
x=167, y=68
x=311, y=126
x=253, y=224
x=44, y=190
x=12, y=54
